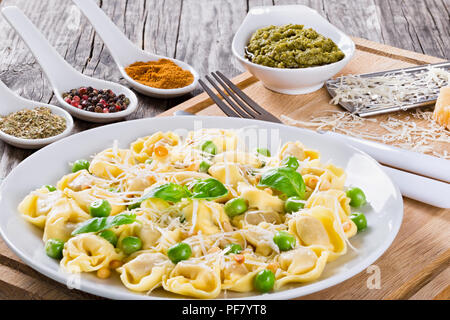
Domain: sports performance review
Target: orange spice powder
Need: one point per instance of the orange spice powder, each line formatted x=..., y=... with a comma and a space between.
x=163, y=74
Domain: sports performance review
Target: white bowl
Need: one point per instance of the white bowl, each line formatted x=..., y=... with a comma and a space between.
x=291, y=81
x=384, y=212
x=39, y=143
x=12, y=102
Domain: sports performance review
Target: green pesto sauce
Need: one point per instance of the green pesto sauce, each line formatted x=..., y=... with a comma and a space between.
x=291, y=46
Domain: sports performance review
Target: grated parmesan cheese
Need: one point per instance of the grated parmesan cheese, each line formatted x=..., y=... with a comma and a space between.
x=390, y=89
x=402, y=132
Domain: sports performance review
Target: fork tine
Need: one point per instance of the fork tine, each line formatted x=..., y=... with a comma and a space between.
x=265, y=115
x=242, y=95
x=226, y=98
x=217, y=100
x=235, y=98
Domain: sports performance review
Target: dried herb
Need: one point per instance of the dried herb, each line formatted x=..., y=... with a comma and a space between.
x=37, y=123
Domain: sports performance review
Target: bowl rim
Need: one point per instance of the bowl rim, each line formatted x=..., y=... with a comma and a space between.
x=239, y=56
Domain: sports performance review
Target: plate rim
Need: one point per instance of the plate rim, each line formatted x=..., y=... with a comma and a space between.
x=309, y=288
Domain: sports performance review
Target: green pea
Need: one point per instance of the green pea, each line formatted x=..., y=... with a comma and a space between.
x=290, y=162
x=149, y=161
x=264, y=151
x=134, y=205
x=131, y=244
x=357, y=197
x=360, y=220
x=113, y=190
x=110, y=236
x=50, y=188
x=209, y=147
x=264, y=281
x=284, y=240
x=235, y=207
x=234, y=248
x=204, y=166
x=100, y=208
x=54, y=248
x=80, y=165
x=178, y=252
x=293, y=204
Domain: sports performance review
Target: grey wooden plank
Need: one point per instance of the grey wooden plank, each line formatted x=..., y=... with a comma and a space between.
x=421, y=25
x=255, y=3
x=152, y=25
x=18, y=68
x=205, y=34
x=317, y=5
x=355, y=17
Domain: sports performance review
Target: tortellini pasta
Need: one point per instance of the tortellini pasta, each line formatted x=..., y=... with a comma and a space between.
x=36, y=206
x=144, y=148
x=300, y=265
x=86, y=253
x=86, y=197
x=227, y=173
x=239, y=276
x=195, y=280
x=260, y=199
x=111, y=163
x=209, y=218
x=145, y=272
x=62, y=219
x=163, y=230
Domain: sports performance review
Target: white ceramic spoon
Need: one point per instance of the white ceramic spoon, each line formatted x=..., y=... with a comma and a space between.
x=11, y=102
x=124, y=52
x=62, y=76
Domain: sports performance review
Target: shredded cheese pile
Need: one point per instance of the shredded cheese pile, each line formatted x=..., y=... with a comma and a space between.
x=391, y=89
x=401, y=132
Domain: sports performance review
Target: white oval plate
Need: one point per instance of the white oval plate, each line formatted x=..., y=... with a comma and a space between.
x=384, y=213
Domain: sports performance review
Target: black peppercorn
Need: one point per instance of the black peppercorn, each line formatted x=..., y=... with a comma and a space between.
x=93, y=100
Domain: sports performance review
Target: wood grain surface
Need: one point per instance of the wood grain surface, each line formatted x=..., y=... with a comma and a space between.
x=200, y=32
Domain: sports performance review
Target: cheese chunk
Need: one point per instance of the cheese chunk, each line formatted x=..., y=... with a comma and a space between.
x=442, y=110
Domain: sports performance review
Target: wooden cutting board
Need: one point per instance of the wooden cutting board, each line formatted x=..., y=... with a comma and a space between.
x=416, y=266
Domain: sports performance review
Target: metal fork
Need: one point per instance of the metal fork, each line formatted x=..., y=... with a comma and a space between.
x=239, y=104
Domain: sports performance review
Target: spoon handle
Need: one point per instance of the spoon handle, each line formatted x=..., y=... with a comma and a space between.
x=119, y=45
x=9, y=98
x=54, y=66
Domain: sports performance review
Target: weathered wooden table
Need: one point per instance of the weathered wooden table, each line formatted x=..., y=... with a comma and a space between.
x=199, y=32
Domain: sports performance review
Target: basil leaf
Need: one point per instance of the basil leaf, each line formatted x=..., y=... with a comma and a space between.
x=100, y=224
x=208, y=189
x=171, y=192
x=285, y=180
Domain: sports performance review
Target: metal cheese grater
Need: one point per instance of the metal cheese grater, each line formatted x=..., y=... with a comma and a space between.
x=370, y=110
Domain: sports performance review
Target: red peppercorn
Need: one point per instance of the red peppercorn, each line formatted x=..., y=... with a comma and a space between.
x=94, y=100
